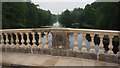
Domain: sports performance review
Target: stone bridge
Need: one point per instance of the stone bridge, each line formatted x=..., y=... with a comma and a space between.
x=96, y=45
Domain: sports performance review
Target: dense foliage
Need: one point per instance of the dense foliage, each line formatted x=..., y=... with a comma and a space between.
x=101, y=15
x=24, y=15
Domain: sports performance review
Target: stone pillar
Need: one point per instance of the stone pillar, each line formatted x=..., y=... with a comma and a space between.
x=76, y=40
x=101, y=41
x=84, y=42
x=110, y=45
x=33, y=41
x=101, y=49
x=2, y=40
x=12, y=44
x=17, y=40
x=40, y=40
x=92, y=40
x=28, y=40
x=7, y=44
x=92, y=45
x=46, y=40
x=84, y=39
x=22, y=40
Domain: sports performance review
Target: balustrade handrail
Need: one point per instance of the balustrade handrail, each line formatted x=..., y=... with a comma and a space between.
x=110, y=32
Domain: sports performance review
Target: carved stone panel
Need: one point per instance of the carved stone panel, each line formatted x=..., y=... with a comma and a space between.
x=60, y=40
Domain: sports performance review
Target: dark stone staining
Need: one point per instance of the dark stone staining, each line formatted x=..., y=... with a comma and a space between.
x=109, y=58
x=85, y=55
x=3, y=48
x=58, y=52
x=46, y=51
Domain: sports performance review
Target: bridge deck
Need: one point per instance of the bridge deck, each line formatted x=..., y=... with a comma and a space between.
x=47, y=60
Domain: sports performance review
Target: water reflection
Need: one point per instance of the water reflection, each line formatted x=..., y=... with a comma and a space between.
x=50, y=40
x=87, y=46
x=43, y=40
x=56, y=25
x=71, y=40
x=80, y=41
x=96, y=48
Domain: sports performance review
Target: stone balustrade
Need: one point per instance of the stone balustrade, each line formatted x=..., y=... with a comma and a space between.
x=83, y=40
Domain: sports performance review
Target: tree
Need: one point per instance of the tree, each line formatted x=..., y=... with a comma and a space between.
x=24, y=15
x=98, y=15
x=66, y=18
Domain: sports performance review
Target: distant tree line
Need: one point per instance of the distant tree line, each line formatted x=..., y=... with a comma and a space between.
x=24, y=15
x=99, y=15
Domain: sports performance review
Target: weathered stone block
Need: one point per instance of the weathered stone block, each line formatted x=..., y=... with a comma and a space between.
x=109, y=58
x=60, y=39
x=62, y=52
x=82, y=55
x=54, y=52
x=47, y=51
x=27, y=50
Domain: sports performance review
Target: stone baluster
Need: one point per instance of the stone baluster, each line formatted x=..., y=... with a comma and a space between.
x=2, y=40
x=84, y=42
x=101, y=50
x=101, y=41
x=92, y=40
x=7, y=41
x=33, y=41
x=92, y=50
x=28, y=40
x=22, y=40
x=46, y=41
x=7, y=44
x=40, y=40
x=110, y=45
x=76, y=40
x=17, y=40
x=12, y=44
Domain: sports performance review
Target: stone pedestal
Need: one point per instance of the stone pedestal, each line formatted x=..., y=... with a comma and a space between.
x=60, y=40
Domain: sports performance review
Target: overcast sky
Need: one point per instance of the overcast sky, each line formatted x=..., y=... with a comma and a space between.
x=58, y=6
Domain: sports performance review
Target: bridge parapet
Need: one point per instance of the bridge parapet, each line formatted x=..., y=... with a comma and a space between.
x=97, y=42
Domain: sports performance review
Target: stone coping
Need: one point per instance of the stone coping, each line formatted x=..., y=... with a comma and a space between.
x=60, y=29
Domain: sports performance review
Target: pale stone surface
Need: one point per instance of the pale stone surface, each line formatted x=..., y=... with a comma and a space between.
x=47, y=60
x=63, y=61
